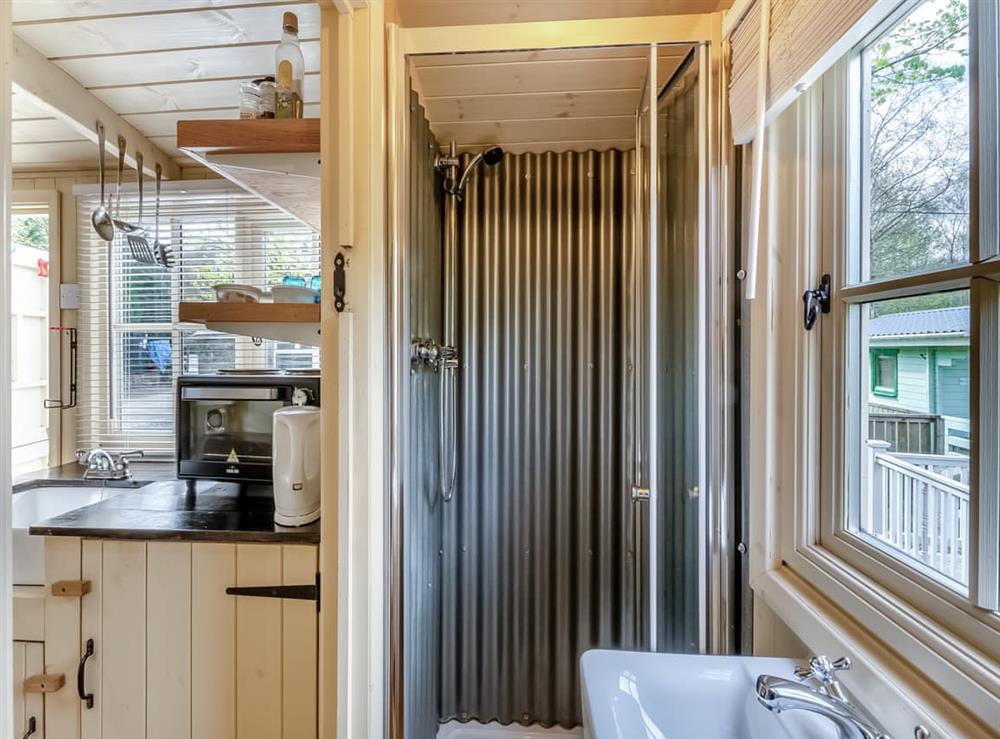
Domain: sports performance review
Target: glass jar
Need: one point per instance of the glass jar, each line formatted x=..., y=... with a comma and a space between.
x=266, y=86
x=249, y=100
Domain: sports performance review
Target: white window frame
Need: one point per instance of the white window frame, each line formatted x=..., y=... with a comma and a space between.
x=47, y=202
x=922, y=650
x=842, y=126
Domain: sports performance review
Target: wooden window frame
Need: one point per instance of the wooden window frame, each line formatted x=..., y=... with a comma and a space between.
x=922, y=650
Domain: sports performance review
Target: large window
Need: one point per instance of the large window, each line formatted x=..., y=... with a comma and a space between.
x=131, y=347
x=916, y=293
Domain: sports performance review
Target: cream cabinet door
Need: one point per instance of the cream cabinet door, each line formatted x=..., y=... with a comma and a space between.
x=175, y=657
x=29, y=708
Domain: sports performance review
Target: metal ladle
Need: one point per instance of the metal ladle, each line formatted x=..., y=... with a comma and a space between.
x=101, y=217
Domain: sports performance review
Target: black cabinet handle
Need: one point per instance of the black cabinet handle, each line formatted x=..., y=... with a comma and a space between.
x=86, y=697
x=31, y=728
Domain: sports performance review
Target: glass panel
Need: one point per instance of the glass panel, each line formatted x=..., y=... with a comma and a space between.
x=677, y=410
x=29, y=304
x=914, y=450
x=917, y=132
x=221, y=427
x=145, y=385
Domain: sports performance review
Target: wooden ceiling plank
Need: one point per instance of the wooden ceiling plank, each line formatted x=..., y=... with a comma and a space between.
x=182, y=30
x=38, y=11
x=641, y=52
x=542, y=147
x=41, y=131
x=154, y=125
x=70, y=154
x=246, y=61
x=520, y=77
x=57, y=92
x=186, y=96
x=419, y=13
x=566, y=104
x=480, y=133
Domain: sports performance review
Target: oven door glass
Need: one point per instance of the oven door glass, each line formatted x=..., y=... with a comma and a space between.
x=230, y=432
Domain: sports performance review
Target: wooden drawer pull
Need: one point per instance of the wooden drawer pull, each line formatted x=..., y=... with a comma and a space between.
x=71, y=588
x=44, y=683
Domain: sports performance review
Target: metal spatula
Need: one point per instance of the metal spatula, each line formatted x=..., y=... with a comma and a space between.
x=164, y=252
x=142, y=252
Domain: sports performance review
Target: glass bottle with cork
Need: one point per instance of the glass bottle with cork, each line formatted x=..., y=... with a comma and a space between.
x=290, y=69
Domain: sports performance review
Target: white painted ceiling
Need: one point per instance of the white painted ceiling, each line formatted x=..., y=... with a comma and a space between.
x=551, y=100
x=153, y=62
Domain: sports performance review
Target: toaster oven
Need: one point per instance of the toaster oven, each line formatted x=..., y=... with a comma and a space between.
x=225, y=424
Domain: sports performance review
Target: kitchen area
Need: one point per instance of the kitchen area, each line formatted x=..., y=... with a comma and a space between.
x=166, y=512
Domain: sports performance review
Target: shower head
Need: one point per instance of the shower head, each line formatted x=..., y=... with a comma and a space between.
x=492, y=157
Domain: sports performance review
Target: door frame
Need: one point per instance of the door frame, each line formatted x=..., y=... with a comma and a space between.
x=6, y=519
x=704, y=29
x=49, y=201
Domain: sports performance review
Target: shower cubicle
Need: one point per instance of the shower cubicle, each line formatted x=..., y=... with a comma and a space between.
x=550, y=451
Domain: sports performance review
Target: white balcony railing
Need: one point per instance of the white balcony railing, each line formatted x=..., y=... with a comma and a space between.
x=918, y=504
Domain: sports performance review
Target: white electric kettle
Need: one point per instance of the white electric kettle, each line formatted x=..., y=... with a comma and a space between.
x=296, y=464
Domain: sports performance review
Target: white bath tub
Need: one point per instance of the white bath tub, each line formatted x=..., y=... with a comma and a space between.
x=35, y=505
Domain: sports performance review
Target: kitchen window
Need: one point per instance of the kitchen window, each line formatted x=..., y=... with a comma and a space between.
x=132, y=349
x=910, y=354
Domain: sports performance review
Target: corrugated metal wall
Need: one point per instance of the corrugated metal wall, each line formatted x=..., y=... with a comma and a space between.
x=421, y=501
x=538, y=556
x=678, y=625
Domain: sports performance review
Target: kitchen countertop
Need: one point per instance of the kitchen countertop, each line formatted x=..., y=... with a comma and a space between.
x=72, y=473
x=162, y=510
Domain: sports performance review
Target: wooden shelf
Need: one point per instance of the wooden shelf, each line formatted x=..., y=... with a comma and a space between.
x=294, y=322
x=276, y=160
x=249, y=312
x=260, y=136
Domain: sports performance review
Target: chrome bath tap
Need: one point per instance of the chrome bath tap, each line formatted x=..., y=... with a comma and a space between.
x=828, y=699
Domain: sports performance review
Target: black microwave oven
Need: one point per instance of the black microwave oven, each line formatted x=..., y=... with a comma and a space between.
x=225, y=423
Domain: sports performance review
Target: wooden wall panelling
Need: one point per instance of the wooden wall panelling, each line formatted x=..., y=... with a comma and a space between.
x=91, y=628
x=168, y=649
x=213, y=642
x=62, y=631
x=29, y=613
x=258, y=658
x=123, y=643
x=20, y=672
x=299, y=647
x=34, y=703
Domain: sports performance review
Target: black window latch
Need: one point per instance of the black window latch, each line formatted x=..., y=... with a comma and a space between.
x=816, y=301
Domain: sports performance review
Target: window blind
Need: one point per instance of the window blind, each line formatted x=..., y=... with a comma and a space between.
x=806, y=38
x=131, y=348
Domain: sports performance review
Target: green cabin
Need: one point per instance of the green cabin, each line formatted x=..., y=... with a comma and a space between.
x=919, y=366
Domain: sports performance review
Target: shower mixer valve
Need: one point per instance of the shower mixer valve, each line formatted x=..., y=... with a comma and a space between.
x=429, y=353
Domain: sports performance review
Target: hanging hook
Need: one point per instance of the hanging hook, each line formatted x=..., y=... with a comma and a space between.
x=816, y=301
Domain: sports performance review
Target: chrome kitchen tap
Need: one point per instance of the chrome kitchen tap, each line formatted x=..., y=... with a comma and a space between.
x=828, y=699
x=102, y=465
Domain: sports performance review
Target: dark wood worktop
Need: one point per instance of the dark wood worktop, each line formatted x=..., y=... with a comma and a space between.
x=164, y=511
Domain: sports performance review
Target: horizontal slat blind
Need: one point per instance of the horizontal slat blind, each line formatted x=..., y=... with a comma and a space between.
x=131, y=349
x=806, y=37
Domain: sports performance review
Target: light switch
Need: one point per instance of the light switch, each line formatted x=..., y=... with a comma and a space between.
x=69, y=296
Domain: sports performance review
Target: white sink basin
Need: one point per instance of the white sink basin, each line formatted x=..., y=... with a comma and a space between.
x=642, y=695
x=35, y=505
